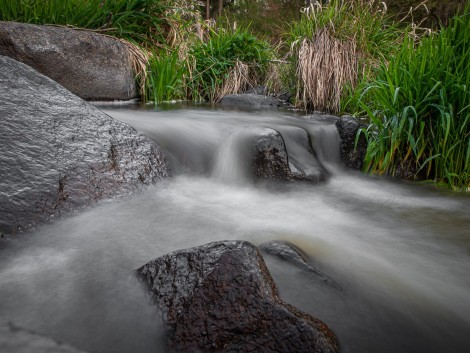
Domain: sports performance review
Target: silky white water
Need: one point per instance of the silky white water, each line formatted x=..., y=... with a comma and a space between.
x=399, y=253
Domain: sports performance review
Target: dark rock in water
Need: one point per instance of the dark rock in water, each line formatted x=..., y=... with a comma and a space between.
x=352, y=156
x=90, y=65
x=292, y=254
x=220, y=297
x=284, y=155
x=284, y=99
x=14, y=339
x=319, y=116
x=59, y=153
x=269, y=155
x=250, y=100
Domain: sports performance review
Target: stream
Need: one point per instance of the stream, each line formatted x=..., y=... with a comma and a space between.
x=399, y=252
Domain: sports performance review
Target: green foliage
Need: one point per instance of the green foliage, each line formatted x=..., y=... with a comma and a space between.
x=142, y=21
x=419, y=107
x=214, y=58
x=165, y=78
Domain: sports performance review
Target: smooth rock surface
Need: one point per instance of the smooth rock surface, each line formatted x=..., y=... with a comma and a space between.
x=220, y=297
x=14, y=339
x=58, y=153
x=351, y=155
x=90, y=65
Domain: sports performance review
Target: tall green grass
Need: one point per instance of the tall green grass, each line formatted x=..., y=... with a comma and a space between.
x=419, y=107
x=165, y=78
x=141, y=21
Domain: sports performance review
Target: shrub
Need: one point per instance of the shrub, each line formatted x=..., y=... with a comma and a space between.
x=228, y=62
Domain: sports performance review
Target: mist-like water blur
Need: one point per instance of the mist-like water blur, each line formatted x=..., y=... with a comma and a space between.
x=399, y=252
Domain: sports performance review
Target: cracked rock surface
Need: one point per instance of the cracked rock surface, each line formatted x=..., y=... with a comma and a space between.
x=58, y=153
x=220, y=297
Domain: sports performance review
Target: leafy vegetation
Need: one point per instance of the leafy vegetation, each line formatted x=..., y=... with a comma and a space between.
x=228, y=62
x=419, y=107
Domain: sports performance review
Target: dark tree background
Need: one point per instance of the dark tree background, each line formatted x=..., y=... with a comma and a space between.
x=268, y=18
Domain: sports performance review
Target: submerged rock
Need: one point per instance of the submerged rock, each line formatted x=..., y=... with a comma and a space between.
x=14, y=339
x=220, y=297
x=59, y=153
x=292, y=254
x=351, y=155
x=90, y=65
x=250, y=100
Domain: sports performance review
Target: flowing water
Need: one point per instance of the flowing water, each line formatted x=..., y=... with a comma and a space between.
x=399, y=253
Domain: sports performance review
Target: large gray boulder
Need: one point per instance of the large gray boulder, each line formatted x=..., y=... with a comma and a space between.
x=58, y=153
x=90, y=65
x=15, y=339
x=220, y=297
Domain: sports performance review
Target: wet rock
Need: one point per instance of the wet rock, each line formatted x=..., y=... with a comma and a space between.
x=351, y=155
x=269, y=155
x=295, y=256
x=220, y=297
x=59, y=153
x=90, y=65
x=324, y=117
x=303, y=162
x=250, y=100
x=284, y=155
x=14, y=339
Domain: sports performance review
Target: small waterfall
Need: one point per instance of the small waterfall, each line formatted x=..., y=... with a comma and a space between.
x=210, y=144
x=326, y=143
x=231, y=159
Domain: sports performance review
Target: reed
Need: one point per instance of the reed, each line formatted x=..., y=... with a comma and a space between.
x=334, y=46
x=165, y=78
x=419, y=107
